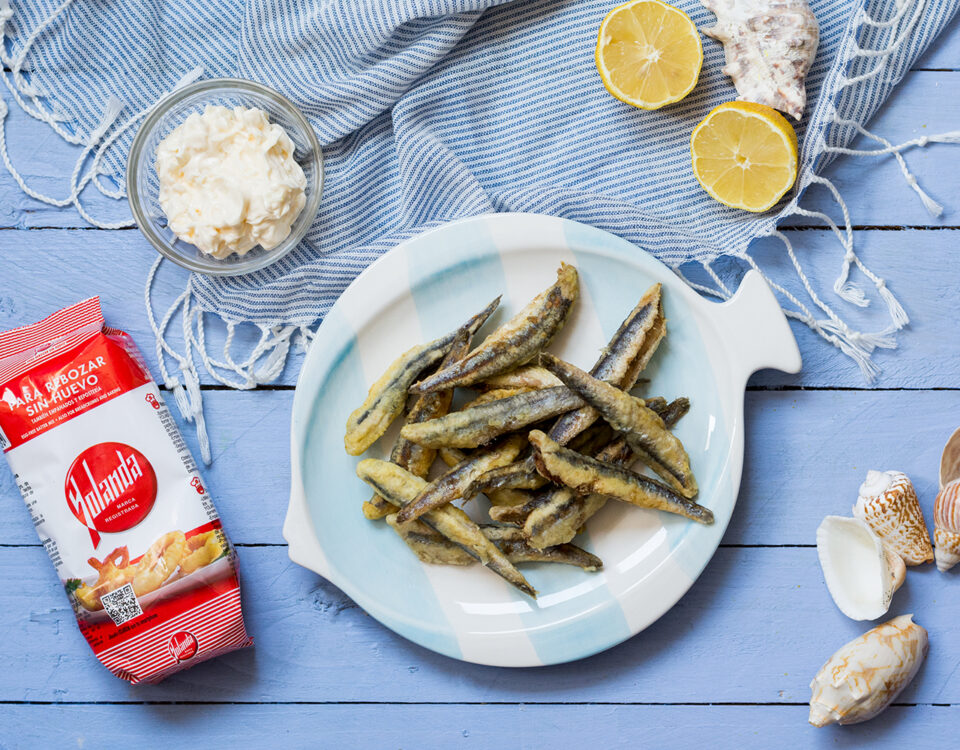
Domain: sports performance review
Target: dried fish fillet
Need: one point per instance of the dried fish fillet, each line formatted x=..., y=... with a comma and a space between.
x=451, y=485
x=400, y=487
x=388, y=396
x=769, y=46
x=587, y=476
x=416, y=458
x=517, y=341
x=477, y=426
x=528, y=377
x=644, y=429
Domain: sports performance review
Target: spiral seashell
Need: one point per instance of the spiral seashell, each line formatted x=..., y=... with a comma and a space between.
x=946, y=526
x=888, y=504
x=769, y=46
x=866, y=675
x=950, y=460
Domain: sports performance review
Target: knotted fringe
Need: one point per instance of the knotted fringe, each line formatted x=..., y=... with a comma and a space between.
x=262, y=365
x=22, y=90
x=267, y=358
x=858, y=345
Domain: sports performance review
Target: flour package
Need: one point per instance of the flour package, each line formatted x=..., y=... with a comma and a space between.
x=116, y=498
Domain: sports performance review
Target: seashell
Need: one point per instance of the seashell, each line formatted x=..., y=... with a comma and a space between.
x=950, y=460
x=946, y=526
x=769, y=46
x=866, y=675
x=861, y=574
x=888, y=504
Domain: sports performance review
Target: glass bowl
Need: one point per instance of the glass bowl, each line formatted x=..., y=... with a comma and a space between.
x=143, y=185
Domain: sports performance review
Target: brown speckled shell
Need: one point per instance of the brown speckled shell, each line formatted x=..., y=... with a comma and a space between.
x=895, y=517
x=946, y=522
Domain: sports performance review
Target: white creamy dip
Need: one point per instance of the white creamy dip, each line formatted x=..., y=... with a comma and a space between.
x=229, y=182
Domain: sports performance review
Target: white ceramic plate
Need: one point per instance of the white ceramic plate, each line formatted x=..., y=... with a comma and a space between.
x=429, y=285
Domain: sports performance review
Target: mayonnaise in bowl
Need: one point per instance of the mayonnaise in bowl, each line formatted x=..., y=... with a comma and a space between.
x=229, y=181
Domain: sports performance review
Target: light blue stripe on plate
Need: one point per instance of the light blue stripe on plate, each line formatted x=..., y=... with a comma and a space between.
x=470, y=277
x=390, y=578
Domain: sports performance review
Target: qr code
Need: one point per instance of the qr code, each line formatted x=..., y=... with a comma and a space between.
x=121, y=604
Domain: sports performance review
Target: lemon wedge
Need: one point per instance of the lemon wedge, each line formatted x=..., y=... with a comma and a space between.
x=745, y=155
x=648, y=53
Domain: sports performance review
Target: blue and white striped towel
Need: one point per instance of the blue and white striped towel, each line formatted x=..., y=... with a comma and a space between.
x=431, y=110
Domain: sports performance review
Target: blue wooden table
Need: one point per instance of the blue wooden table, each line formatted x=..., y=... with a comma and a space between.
x=729, y=665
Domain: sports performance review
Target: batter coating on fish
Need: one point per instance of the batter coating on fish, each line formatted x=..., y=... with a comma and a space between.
x=388, y=396
x=517, y=341
x=453, y=456
x=621, y=362
x=586, y=476
x=400, y=487
x=528, y=377
x=481, y=424
x=451, y=486
x=614, y=363
x=418, y=459
x=556, y=516
x=644, y=430
x=432, y=547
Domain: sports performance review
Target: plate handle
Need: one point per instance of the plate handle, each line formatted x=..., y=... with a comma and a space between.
x=756, y=330
x=303, y=547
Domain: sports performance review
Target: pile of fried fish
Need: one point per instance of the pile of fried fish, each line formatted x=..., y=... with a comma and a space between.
x=546, y=442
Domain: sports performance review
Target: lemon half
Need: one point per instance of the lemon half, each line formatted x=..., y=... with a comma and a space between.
x=745, y=155
x=648, y=53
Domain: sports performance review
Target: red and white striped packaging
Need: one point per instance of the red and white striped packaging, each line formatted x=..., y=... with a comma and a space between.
x=116, y=497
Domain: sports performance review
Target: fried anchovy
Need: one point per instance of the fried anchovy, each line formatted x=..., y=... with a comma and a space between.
x=495, y=395
x=615, y=363
x=523, y=474
x=451, y=485
x=556, y=515
x=481, y=424
x=432, y=547
x=644, y=429
x=529, y=377
x=515, y=514
x=416, y=458
x=400, y=487
x=517, y=341
x=515, y=547
x=585, y=476
x=387, y=397
x=510, y=497
x=651, y=343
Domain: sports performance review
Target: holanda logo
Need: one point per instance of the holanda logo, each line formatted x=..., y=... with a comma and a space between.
x=110, y=487
x=183, y=645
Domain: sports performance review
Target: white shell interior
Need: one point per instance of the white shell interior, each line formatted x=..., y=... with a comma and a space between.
x=855, y=567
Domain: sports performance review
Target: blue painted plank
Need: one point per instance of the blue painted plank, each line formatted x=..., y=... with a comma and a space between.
x=754, y=629
x=927, y=102
x=918, y=266
x=488, y=727
x=814, y=445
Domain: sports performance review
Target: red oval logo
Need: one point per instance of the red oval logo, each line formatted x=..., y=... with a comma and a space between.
x=110, y=487
x=183, y=645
